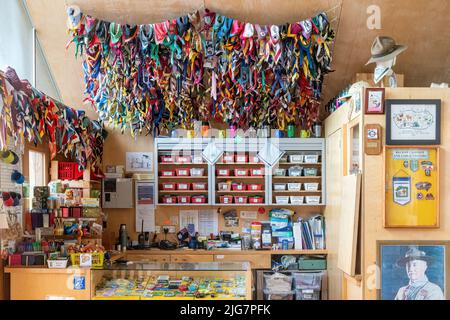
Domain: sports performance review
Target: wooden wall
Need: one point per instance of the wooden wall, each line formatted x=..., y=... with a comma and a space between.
x=374, y=190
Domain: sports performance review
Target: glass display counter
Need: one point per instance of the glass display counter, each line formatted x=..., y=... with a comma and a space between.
x=173, y=281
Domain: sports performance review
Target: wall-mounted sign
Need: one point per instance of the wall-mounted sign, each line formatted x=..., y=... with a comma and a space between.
x=372, y=139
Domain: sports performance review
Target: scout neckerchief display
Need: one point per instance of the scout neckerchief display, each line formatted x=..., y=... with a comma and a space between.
x=203, y=66
x=28, y=114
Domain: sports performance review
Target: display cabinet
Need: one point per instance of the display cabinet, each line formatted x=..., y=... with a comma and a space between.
x=173, y=281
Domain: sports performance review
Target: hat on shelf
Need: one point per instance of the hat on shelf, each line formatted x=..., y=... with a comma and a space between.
x=414, y=254
x=384, y=49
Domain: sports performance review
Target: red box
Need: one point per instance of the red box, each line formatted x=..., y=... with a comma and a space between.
x=223, y=172
x=183, y=186
x=255, y=200
x=241, y=158
x=75, y=212
x=183, y=159
x=69, y=171
x=183, y=172
x=239, y=186
x=167, y=159
x=254, y=187
x=168, y=186
x=199, y=186
x=168, y=173
x=169, y=199
x=184, y=199
x=241, y=172
x=240, y=199
x=228, y=158
x=226, y=199
x=198, y=199
x=257, y=172
x=254, y=159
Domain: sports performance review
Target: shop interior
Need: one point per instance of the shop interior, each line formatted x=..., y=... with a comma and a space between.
x=203, y=150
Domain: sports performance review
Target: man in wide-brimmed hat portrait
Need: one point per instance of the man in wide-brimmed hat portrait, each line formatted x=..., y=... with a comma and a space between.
x=416, y=263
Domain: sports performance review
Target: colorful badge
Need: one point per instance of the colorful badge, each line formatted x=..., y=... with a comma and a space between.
x=414, y=165
x=402, y=190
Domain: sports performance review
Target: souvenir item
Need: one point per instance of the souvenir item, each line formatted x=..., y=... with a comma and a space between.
x=402, y=190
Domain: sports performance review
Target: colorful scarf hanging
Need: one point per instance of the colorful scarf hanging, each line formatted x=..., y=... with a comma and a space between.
x=203, y=66
x=28, y=114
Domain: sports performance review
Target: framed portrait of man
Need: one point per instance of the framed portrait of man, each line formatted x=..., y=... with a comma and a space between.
x=412, y=270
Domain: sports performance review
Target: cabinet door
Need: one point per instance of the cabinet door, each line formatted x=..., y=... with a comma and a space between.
x=261, y=261
x=148, y=257
x=191, y=258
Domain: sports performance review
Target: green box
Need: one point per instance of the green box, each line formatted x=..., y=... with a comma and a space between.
x=312, y=264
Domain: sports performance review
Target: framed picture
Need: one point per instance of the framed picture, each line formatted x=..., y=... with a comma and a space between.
x=413, y=270
x=374, y=101
x=411, y=187
x=413, y=122
x=139, y=162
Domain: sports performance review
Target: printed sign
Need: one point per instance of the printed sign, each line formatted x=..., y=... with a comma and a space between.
x=409, y=154
x=79, y=283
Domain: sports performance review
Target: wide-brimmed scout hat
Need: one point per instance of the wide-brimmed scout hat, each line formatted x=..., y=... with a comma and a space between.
x=385, y=48
x=414, y=254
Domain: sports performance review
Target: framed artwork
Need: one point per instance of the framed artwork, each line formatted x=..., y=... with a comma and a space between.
x=374, y=101
x=412, y=270
x=411, y=187
x=413, y=122
x=139, y=162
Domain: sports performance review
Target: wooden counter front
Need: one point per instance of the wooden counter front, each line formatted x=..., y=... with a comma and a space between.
x=28, y=283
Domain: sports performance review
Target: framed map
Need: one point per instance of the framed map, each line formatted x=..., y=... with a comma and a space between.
x=413, y=122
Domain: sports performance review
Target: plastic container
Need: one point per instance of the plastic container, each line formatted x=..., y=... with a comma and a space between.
x=223, y=172
x=241, y=172
x=296, y=158
x=278, y=295
x=239, y=186
x=297, y=200
x=169, y=199
x=224, y=186
x=282, y=199
x=295, y=171
x=310, y=172
x=307, y=294
x=311, y=186
x=197, y=172
x=183, y=172
x=279, y=186
x=198, y=199
x=295, y=186
x=183, y=159
x=256, y=172
x=254, y=187
x=167, y=159
x=184, y=199
x=57, y=264
x=197, y=159
x=240, y=199
x=256, y=200
x=241, y=158
x=279, y=172
x=168, y=186
x=311, y=158
x=168, y=173
x=199, y=186
x=226, y=199
x=307, y=280
x=313, y=199
x=183, y=186
x=254, y=159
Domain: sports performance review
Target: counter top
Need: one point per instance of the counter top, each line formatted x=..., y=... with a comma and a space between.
x=44, y=269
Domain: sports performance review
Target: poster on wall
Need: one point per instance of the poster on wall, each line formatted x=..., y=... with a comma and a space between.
x=139, y=162
x=412, y=270
x=145, y=206
x=413, y=122
x=412, y=187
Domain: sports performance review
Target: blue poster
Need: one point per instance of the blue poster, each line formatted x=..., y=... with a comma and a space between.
x=412, y=272
x=79, y=283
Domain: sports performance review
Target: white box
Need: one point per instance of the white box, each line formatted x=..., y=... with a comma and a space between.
x=311, y=158
x=313, y=199
x=311, y=186
x=296, y=158
x=294, y=186
x=282, y=199
x=297, y=199
x=279, y=186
